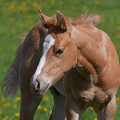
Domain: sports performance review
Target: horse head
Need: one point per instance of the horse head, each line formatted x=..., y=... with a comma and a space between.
x=59, y=53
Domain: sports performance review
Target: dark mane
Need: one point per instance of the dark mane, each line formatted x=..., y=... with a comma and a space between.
x=81, y=19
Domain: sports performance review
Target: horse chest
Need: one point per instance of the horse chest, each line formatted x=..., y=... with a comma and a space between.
x=80, y=87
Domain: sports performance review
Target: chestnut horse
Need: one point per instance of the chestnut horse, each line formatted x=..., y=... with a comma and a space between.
x=72, y=58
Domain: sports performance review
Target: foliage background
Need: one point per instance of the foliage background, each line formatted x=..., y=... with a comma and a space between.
x=17, y=17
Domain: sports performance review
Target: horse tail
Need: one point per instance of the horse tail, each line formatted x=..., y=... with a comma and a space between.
x=10, y=83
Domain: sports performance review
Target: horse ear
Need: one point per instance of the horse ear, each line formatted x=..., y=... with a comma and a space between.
x=44, y=19
x=61, y=20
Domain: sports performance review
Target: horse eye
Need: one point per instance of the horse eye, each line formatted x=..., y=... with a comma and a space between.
x=59, y=52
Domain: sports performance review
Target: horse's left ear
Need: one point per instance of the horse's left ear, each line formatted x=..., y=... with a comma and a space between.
x=61, y=20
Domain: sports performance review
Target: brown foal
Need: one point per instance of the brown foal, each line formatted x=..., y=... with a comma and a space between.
x=72, y=58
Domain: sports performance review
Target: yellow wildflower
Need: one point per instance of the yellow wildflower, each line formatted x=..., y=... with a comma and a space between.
x=21, y=25
x=91, y=108
x=45, y=109
x=23, y=3
x=39, y=107
x=96, y=2
x=46, y=98
x=118, y=36
x=50, y=111
x=114, y=5
x=17, y=98
x=17, y=114
x=112, y=18
x=34, y=4
x=1, y=112
x=8, y=104
x=118, y=99
x=26, y=24
x=6, y=117
x=3, y=100
x=14, y=106
x=52, y=2
x=85, y=8
x=3, y=8
x=117, y=27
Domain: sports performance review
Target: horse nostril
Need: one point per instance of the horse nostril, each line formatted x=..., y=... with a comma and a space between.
x=35, y=86
x=38, y=84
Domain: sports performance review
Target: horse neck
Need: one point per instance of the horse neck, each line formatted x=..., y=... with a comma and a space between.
x=83, y=40
x=90, y=56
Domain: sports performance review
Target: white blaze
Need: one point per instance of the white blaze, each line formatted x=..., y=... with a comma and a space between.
x=49, y=41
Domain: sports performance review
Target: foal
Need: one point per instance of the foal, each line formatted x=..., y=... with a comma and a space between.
x=75, y=50
x=88, y=60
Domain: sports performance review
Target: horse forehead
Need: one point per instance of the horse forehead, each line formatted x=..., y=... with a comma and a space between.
x=49, y=38
x=59, y=39
x=48, y=42
x=59, y=36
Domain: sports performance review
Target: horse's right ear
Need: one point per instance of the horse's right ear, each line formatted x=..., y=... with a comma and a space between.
x=44, y=20
x=61, y=20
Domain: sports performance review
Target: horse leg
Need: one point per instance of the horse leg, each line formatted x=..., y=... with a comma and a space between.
x=109, y=111
x=82, y=107
x=58, y=112
x=29, y=103
x=71, y=107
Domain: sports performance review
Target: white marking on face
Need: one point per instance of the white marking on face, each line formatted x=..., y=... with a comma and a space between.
x=49, y=41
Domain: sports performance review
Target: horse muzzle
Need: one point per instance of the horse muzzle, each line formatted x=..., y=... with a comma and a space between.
x=39, y=87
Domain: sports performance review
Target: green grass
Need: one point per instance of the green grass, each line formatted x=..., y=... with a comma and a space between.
x=17, y=17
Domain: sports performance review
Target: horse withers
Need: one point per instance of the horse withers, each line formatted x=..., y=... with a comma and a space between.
x=76, y=58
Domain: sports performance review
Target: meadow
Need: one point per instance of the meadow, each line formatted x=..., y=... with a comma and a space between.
x=17, y=17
